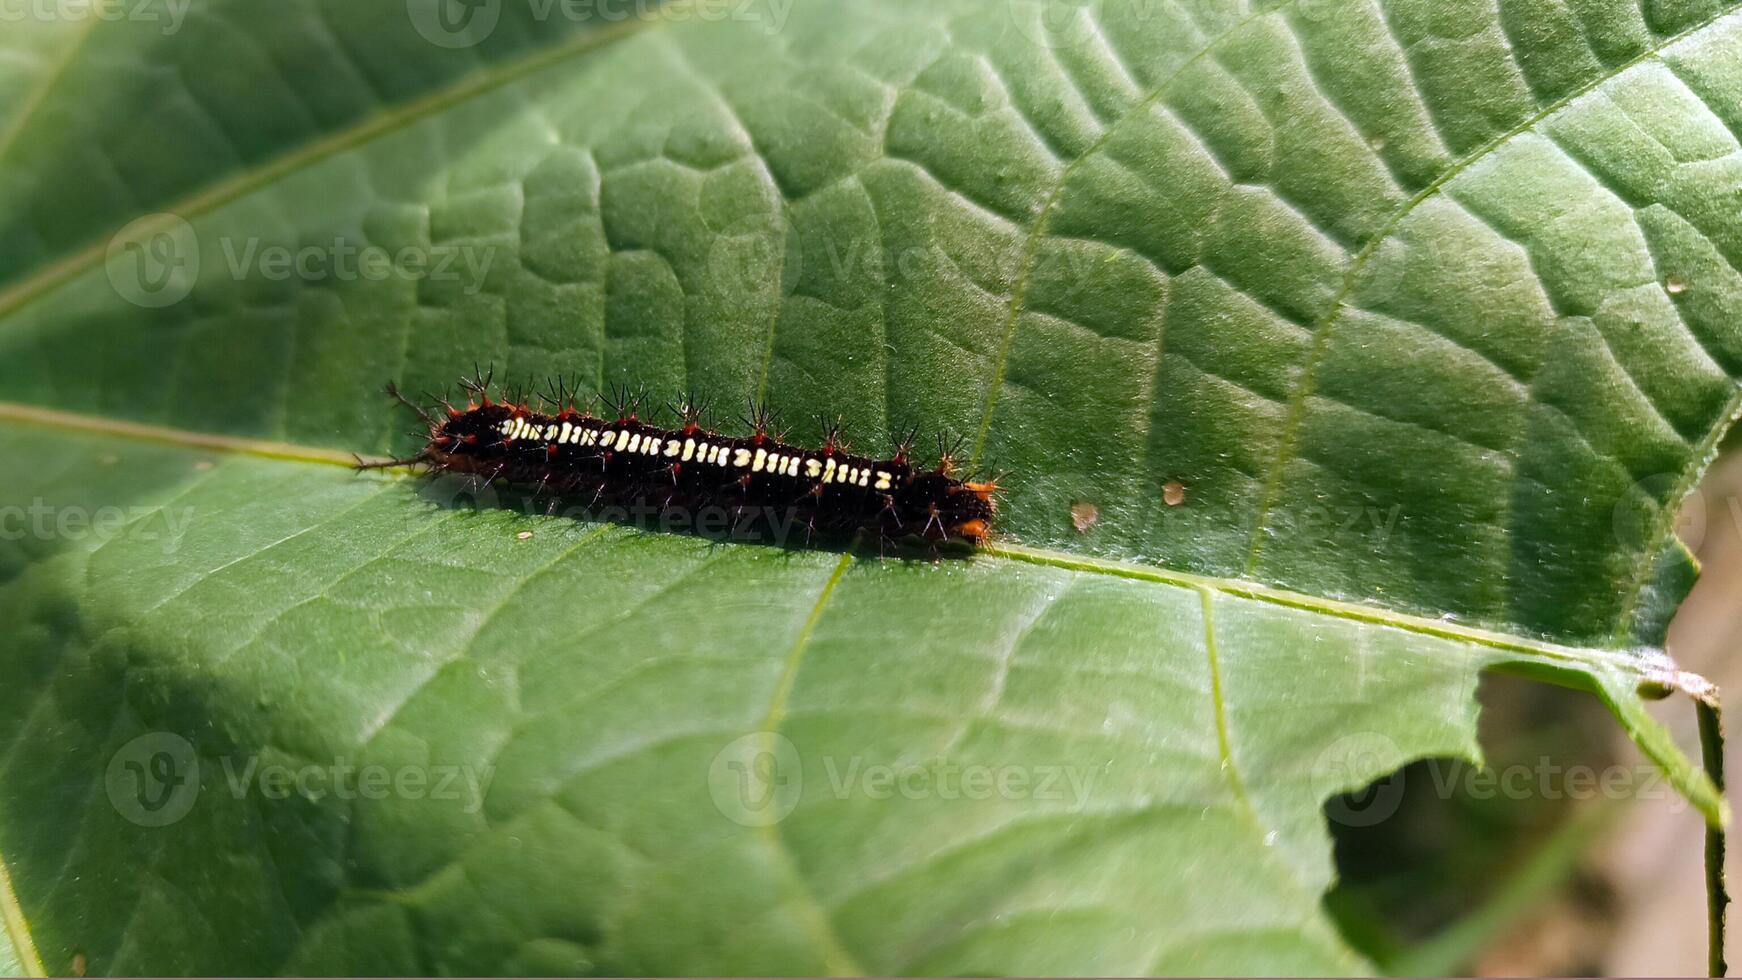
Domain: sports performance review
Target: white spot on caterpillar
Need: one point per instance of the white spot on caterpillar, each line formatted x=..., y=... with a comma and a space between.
x=812, y=468
x=741, y=458
x=689, y=449
x=651, y=446
x=761, y=460
x=883, y=479
x=608, y=439
x=672, y=448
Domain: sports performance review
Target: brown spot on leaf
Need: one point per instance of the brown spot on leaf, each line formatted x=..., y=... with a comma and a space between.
x=1173, y=493
x=1084, y=515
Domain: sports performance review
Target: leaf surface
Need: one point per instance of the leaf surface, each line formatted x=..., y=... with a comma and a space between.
x=1370, y=345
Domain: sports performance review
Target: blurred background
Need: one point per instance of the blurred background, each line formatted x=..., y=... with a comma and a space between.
x=1565, y=855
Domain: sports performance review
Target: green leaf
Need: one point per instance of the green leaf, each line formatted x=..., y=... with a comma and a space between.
x=1338, y=350
x=16, y=948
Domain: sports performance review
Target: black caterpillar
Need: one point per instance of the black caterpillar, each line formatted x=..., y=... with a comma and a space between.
x=625, y=461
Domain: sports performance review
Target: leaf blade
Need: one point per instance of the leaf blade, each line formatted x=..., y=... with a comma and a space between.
x=1113, y=256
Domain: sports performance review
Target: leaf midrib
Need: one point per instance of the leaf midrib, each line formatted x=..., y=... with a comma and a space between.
x=17, y=929
x=496, y=76
x=1648, y=665
x=223, y=192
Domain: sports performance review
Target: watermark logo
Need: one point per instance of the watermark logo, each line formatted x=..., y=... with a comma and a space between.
x=462, y=784
x=779, y=526
x=157, y=260
x=169, y=14
x=944, y=779
x=466, y=23
x=154, y=261
x=45, y=521
x=756, y=780
x=460, y=491
x=748, y=253
x=1638, y=514
x=1357, y=526
x=153, y=780
x=454, y=23
x=1319, y=10
x=342, y=260
x=1340, y=774
x=1056, y=25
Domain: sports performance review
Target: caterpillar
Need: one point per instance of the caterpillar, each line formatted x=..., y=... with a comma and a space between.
x=619, y=459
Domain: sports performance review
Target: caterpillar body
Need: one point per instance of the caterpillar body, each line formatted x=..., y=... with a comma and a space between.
x=622, y=459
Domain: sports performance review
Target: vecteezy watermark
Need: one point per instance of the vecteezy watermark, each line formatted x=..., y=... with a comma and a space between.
x=155, y=780
x=1545, y=779
x=1341, y=773
x=465, y=785
x=756, y=252
x=171, y=14
x=778, y=526
x=341, y=260
x=1671, y=503
x=1367, y=527
x=45, y=521
x=1650, y=507
x=946, y=780
x=756, y=780
x=1342, y=769
x=156, y=261
x=1069, y=24
x=464, y=23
